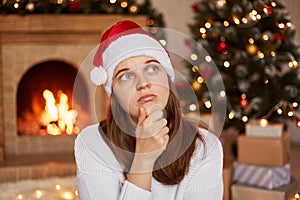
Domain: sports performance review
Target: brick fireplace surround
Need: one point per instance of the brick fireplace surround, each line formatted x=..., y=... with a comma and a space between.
x=24, y=42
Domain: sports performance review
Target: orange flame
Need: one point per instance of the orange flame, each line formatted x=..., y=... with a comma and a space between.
x=57, y=117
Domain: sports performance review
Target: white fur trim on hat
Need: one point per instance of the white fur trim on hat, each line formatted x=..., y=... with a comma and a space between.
x=98, y=75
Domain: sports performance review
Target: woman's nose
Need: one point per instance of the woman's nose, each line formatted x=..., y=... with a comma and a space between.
x=143, y=83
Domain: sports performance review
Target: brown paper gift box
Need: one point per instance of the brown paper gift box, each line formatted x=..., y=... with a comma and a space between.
x=243, y=192
x=273, y=152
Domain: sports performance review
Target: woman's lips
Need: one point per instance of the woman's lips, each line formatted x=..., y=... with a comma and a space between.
x=146, y=98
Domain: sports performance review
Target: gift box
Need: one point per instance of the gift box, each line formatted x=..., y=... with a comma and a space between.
x=227, y=171
x=272, y=152
x=264, y=129
x=243, y=192
x=261, y=176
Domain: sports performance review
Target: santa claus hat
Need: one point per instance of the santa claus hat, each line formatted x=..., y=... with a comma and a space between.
x=123, y=40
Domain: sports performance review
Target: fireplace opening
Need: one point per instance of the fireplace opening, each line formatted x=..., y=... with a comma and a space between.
x=46, y=103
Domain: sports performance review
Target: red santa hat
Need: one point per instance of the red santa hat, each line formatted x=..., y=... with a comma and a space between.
x=123, y=40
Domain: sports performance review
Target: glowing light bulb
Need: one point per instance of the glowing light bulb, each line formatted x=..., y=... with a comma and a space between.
x=226, y=64
x=202, y=30
x=295, y=104
x=194, y=57
x=279, y=111
x=245, y=118
x=193, y=107
x=290, y=113
x=208, y=59
x=207, y=104
x=263, y=122
x=231, y=115
x=207, y=25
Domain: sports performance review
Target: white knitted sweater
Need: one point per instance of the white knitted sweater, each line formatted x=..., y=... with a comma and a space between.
x=100, y=177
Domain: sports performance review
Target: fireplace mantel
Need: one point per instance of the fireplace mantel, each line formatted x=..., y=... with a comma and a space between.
x=30, y=39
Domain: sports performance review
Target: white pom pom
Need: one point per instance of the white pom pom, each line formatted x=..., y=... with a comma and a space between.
x=98, y=75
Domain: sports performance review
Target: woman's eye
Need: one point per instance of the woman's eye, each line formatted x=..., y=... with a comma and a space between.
x=152, y=69
x=126, y=77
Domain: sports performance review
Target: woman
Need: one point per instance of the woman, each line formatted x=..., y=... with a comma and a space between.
x=144, y=149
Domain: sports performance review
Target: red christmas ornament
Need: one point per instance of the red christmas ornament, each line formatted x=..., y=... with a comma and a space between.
x=195, y=7
x=269, y=10
x=243, y=102
x=221, y=46
x=74, y=5
x=279, y=37
x=298, y=122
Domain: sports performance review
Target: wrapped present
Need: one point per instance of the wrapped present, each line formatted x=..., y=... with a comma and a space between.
x=227, y=171
x=261, y=176
x=272, y=152
x=263, y=128
x=243, y=192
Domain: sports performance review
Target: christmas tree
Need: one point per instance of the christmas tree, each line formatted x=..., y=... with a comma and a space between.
x=251, y=43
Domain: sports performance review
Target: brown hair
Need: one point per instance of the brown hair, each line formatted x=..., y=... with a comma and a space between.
x=179, y=150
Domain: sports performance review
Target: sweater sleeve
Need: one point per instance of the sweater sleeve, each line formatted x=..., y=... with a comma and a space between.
x=96, y=180
x=207, y=181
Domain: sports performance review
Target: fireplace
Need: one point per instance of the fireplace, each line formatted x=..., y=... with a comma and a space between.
x=40, y=62
x=45, y=100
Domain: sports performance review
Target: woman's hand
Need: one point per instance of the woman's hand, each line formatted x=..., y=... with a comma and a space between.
x=151, y=136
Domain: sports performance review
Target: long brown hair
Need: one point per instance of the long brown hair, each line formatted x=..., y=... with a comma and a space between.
x=179, y=150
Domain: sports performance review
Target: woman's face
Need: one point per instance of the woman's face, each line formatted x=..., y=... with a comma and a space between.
x=140, y=81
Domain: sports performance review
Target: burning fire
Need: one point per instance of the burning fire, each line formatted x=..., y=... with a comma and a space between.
x=57, y=117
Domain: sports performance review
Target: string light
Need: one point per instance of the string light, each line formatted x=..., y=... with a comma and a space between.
x=61, y=193
x=236, y=20
x=208, y=59
x=226, y=64
x=195, y=68
x=265, y=37
x=192, y=107
x=273, y=53
x=295, y=104
x=244, y=20
x=57, y=187
x=281, y=25
x=207, y=104
x=231, y=115
x=202, y=30
x=163, y=42
x=279, y=111
x=226, y=23
x=251, y=40
x=38, y=194
x=16, y=5
x=200, y=79
x=133, y=9
x=222, y=93
x=260, y=54
x=124, y=4
x=290, y=113
x=207, y=25
x=258, y=17
x=245, y=118
x=194, y=57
